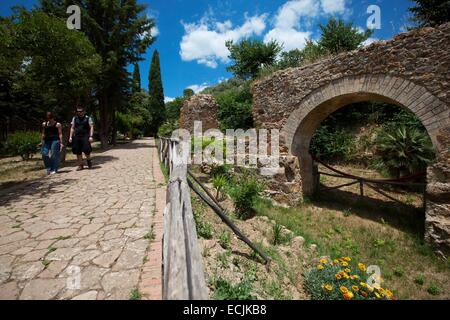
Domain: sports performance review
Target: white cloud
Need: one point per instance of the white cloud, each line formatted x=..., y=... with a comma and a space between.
x=168, y=99
x=204, y=42
x=198, y=87
x=290, y=14
x=290, y=38
x=287, y=23
x=333, y=6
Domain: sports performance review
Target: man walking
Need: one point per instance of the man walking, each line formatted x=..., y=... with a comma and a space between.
x=81, y=137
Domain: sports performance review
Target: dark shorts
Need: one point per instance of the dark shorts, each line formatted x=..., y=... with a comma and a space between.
x=81, y=145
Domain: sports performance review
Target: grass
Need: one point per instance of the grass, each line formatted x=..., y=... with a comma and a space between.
x=135, y=295
x=338, y=234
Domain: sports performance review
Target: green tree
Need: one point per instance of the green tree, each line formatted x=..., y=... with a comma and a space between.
x=251, y=55
x=292, y=58
x=155, y=86
x=235, y=108
x=43, y=66
x=136, y=84
x=338, y=36
x=430, y=13
x=187, y=93
x=120, y=32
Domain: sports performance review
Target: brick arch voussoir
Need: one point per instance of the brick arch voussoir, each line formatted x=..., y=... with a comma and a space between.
x=432, y=112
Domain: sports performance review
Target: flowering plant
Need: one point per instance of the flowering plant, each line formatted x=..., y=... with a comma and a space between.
x=341, y=279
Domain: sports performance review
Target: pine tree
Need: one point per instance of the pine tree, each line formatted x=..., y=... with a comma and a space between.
x=136, y=82
x=155, y=88
x=430, y=13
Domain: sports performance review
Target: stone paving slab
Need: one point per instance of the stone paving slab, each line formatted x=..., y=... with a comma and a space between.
x=81, y=235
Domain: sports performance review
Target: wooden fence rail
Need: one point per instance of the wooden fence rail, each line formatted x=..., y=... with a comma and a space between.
x=183, y=274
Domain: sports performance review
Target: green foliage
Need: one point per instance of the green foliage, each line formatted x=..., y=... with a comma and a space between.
x=23, y=143
x=224, y=240
x=403, y=150
x=430, y=13
x=244, y=191
x=224, y=290
x=235, y=108
x=166, y=129
x=187, y=93
x=250, y=56
x=332, y=144
x=277, y=234
x=337, y=36
x=157, y=105
x=204, y=228
x=219, y=183
x=434, y=290
x=136, y=82
x=420, y=280
x=54, y=66
x=135, y=295
x=135, y=118
x=289, y=59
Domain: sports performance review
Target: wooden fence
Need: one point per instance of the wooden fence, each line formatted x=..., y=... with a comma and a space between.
x=183, y=275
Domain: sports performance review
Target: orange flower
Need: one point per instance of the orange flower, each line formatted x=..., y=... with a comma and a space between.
x=347, y=259
x=338, y=276
x=362, y=267
x=364, y=294
x=347, y=270
x=344, y=263
x=355, y=288
x=320, y=267
x=323, y=260
x=343, y=289
x=348, y=295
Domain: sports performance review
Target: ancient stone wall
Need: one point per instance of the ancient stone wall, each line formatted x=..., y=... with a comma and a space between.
x=411, y=70
x=200, y=107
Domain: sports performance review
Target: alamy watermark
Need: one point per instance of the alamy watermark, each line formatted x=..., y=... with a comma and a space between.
x=244, y=148
x=74, y=20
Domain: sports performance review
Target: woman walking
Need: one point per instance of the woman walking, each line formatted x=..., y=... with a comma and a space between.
x=51, y=143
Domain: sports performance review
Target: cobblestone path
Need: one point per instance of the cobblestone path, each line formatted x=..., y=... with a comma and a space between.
x=81, y=235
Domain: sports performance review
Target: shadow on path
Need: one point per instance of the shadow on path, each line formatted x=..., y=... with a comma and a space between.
x=37, y=187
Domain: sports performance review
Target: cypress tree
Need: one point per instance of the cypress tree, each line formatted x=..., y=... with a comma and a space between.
x=156, y=92
x=136, y=84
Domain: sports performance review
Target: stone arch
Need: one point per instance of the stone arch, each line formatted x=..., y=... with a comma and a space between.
x=319, y=104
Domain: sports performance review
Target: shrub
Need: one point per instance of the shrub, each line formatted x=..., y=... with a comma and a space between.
x=420, y=280
x=219, y=183
x=277, y=233
x=330, y=144
x=224, y=240
x=244, y=191
x=403, y=150
x=204, y=228
x=167, y=128
x=434, y=290
x=235, y=108
x=340, y=279
x=23, y=143
x=224, y=290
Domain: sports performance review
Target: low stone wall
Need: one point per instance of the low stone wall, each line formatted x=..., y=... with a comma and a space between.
x=200, y=107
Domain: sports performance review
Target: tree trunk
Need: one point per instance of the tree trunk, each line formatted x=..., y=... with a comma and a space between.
x=104, y=121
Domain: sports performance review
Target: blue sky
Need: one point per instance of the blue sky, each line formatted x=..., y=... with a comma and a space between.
x=191, y=33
